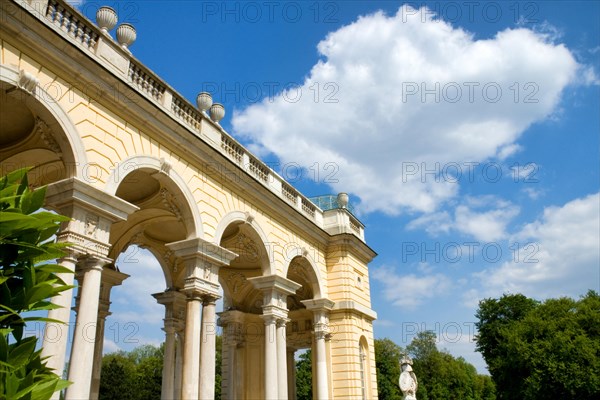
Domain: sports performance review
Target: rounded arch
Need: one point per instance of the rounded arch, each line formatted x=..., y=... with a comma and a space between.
x=240, y=217
x=134, y=163
x=313, y=275
x=70, y=142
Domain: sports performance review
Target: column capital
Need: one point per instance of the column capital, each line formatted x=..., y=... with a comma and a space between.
x=197, y=247
x=282, y=322
x=170, y=326
x=275, y=290
x=269, y=319
x=209, y=300
x=91, y=262
x=199, y=289
x=322, y=304
x=201, y=260
x=92, y=213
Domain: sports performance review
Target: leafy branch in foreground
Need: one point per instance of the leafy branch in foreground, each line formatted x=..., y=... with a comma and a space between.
x=28, y=279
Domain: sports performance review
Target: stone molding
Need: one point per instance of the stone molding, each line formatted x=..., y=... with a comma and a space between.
x=92, y=213
x=275, y=290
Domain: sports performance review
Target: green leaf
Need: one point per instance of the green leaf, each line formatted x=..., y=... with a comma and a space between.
x=34, y=200
x=54, y=268
x=20, y=354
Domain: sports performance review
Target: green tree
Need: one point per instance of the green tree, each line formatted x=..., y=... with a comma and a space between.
x=148, y=361
x=117, y=379
x=544, y=350
x=444, y=377
x=495, y=317
x=387, y=362
x=304, y=376
x=137, y=375
x=27, y=281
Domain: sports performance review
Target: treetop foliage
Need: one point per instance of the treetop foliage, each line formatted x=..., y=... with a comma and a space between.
x=441, y=376
x=537, y=350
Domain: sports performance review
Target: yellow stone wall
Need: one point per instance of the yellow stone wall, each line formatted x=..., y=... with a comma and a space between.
x=111, y=136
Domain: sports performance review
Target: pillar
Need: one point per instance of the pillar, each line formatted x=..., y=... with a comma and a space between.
x=275, y=289
x=271, y=377
x=178, y=365
x=168, y=373
x=56, y=335
x=232, y=322
x=201, y=261
x=320, y=309
x=282, y=365
x=208, y=349
x=110, y=278
x=98, y=348
x=175, y=307
x=321, y=364
x=191, y=348
x=291, y=367
x=82, y=351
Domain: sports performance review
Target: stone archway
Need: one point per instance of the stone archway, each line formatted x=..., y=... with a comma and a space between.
x=36, y=131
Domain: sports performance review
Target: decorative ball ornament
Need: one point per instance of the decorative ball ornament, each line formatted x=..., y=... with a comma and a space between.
x=204, y=101
x=106, y=18
x=126, y=35
x=342, y=199
x=217, y=112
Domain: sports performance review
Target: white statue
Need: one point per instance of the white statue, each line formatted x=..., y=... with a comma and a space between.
x=408, y=379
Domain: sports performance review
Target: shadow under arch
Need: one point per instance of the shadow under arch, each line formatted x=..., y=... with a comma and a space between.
x=64, y=136
x=244, y=221
x=303, y=264
x=168, y=178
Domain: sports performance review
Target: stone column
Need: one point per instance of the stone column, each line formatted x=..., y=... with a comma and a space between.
x=231, y=321
x=291, y=367
x=168, y=373
x=201, y=261
x=98, y=347
x=110, y=278
x=191, y=347
x=56, y=336
x=321, y=308
x=174, y=303
x=275, y=290
x=92, y=213
x=271, y=376
x=321, y=364
x=282, y=365
x=208, y=349
x=178, y=365
x=82, y=351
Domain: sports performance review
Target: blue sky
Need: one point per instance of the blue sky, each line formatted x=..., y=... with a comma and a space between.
x=467, y=134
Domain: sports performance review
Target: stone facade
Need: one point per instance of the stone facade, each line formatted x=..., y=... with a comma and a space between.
x=133, y=162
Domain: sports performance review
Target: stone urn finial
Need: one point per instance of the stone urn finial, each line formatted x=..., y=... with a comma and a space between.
x=204, y=101
x=342, y=199
x=106, y=18
x=217, y=112
x=126, y=35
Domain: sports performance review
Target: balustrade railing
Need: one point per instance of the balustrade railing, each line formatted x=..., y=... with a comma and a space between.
x=68, y=21
x=87, y=36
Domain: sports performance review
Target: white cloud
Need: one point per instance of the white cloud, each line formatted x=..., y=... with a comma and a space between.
x=558, y=255
x=411, y=290
x=110, y=346
x=378, y=126
x=487, y=225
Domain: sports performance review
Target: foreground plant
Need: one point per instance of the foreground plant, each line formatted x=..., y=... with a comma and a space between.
x=28, y=280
